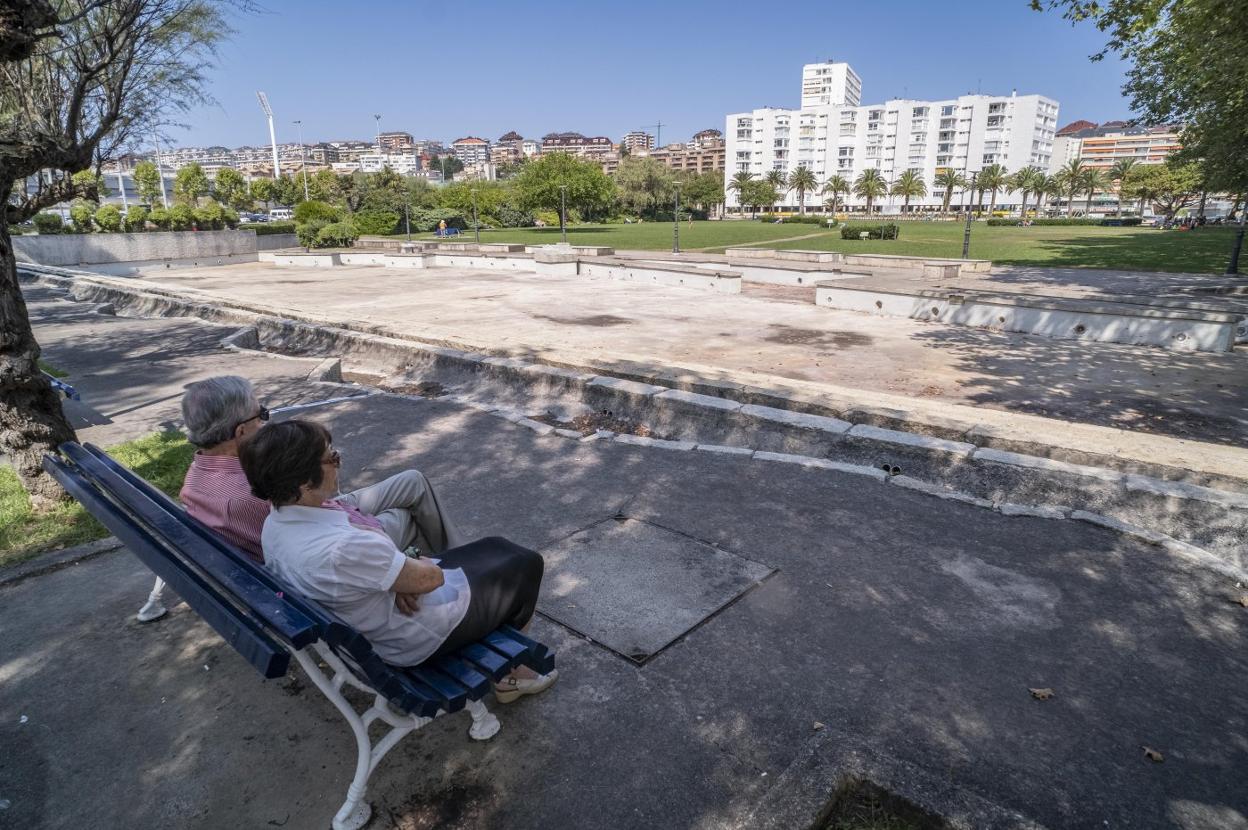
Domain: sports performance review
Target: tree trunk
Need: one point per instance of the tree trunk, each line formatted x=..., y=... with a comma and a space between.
x=992, y=204
x=31, y=420
x=1087, y=208
x=1204, y=194
x=1022, y=211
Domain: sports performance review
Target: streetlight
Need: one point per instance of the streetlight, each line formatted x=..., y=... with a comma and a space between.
x=676, y=222
x=475, y=224
x=563, y=214
x=303, y=157
x=378, y=118
x=966, y=237
x=160, y=171
x=1233, y=266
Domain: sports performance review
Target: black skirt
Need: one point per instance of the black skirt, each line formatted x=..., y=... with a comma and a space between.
x=503, y=579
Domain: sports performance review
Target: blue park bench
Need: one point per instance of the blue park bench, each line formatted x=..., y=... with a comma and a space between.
x=268, y=623
x=61, y=386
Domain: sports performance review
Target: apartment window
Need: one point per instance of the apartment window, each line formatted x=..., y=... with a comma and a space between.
x=744, y=133
x=948, y=123
x=745, y=122
x=845, y=152
x=946, y=110
x=999, y=107
x=782, y=154
x=947, y=135
x=743, y=155
x=875, y=115
x=781, y=142
x=943, y=161
x=743, y=167
x=995, y=121
x=990, y=158
x=844, y=164
x=919, y=112
x=944, y=148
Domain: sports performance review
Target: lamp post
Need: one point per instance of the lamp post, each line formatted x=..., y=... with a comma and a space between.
x=303, y=158
x=160, y=172
x=966, y=236
x=476, y=226
x=1232, y=267
x=563, y=214
x=378, y=119
x=407, y=221
x=676, y=222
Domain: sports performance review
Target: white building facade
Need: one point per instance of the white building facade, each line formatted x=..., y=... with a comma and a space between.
x=833, y=134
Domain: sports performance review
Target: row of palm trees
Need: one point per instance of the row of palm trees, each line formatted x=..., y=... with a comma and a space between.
x=1074, y=178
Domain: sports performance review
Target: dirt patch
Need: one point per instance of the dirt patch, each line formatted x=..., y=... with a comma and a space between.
x=454, y=806
x=594, y=321
x=861, y=805
x=792, y=336
x=589, y=424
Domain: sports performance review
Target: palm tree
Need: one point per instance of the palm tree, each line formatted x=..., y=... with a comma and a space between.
x=836, y=185
x=909, y=184
x=870, y=185
x=1093, y=180
x=1118, y=174
x=1070, y=177
x=1025, y=181
x=1044, y=186
x=739, y=181
x=776, y=179
x=948, y=178
x=992, y=178
x=803, y=181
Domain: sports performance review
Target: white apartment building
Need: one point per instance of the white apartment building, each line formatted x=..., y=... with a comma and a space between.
x=637, y=140
x=833, y=134
x=405, y=164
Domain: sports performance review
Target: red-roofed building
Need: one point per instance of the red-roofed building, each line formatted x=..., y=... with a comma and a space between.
x=471, y=150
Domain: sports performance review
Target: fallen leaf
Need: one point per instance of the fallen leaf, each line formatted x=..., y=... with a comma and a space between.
x=1242, y=600
x=817, y=726
x=1153, y=755
x=1041, y=694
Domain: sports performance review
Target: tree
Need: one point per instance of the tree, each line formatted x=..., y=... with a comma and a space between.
x=1093, y=180
x=778, y=182
x=948, y=179
x=1026, y=181
x=1171, y=186
x=264, y=190
x=190, y=183
x=108, y=218
x=98, y=74
x=1046, y=186
x=1118, y=174
x=644, y=181
x=758, y=192
x=90, y=185
x=992, y=178
x=909, y=184
x=587, y=187
x=446, y=164
x=870, y=185
x=803, y=181
x=147, y=182
x=835, y=185
x=287, y=191
x=231, y=189
x=324, y=186
x=1070, y=180
x=706, y=190
x=82, y=214
x=738, y=183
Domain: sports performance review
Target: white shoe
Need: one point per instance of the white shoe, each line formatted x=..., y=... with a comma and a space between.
x=512, y=688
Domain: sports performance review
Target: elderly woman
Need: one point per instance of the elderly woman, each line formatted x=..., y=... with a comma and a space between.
x=410, y=609
x=221, y=412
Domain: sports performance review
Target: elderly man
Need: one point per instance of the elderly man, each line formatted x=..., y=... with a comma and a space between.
x=221, y=412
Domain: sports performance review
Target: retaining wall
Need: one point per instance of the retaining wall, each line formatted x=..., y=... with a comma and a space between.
x=691, y=276
x=974, y=266
x=95, y=248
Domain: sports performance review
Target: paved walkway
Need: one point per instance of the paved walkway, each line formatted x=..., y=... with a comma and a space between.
x=901, y=622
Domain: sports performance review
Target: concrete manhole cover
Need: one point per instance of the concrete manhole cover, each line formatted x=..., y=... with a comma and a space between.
x=635, y=587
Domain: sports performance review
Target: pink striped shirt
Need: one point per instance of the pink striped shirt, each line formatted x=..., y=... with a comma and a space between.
x=216, y=493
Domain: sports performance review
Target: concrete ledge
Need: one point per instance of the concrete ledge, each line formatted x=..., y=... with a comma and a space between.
x=728, y=282
x=724, y=449
x=660, y=443
x=968, y=266
x=909, y=439
x=694, y=399
x=1047, y=464
x=788, y=254
x=306, y=260
x=362, y=257
x=797, y=419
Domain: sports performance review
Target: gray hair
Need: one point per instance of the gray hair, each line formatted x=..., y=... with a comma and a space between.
x=212, y=409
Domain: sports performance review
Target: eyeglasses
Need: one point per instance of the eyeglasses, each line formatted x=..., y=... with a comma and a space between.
x=263, y=415
x=335, y=458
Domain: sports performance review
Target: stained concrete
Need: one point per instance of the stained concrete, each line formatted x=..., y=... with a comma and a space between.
x=1196, y=396
x=904, y=623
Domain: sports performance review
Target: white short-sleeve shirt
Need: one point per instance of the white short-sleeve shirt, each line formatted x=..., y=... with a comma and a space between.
x=351, y=571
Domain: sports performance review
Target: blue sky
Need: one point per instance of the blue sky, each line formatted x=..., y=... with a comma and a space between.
x=444, y=70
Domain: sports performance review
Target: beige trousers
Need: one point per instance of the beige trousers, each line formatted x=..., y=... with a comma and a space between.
x=409, y=512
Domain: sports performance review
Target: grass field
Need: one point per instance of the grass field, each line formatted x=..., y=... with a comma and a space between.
x=1142, y=249
x=162, y=459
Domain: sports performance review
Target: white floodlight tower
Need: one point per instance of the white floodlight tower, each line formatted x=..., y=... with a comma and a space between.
x=268, y=113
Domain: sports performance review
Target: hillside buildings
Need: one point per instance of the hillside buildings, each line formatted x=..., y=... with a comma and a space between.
x=832, y=133
x=637, y=140
x=1101, y=146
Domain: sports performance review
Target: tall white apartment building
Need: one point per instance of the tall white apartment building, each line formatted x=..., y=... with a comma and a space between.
x=833, y=134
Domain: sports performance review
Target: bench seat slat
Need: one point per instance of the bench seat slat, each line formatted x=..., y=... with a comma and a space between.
x=487, y=660
x=453, y=695
x=462, y=673
x=504, y=645
x=263, y=652
x=540, y=658
x=285, y=620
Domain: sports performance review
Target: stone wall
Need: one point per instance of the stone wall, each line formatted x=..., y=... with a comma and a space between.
x=94, y=248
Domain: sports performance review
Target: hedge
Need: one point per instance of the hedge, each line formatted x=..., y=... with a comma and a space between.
x=796, y=219
x=882, y=231
x=49, y=223
x=267, y=228
x=1126, y=222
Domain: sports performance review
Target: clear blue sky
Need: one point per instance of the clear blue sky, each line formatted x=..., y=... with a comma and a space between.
x=447, y=69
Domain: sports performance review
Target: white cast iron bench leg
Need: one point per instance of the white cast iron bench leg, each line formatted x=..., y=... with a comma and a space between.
x=355, y=811
x=154, y=608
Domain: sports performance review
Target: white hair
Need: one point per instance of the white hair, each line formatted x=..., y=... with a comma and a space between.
x=212, y=409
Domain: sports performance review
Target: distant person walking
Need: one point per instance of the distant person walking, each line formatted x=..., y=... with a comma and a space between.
x=442, y=228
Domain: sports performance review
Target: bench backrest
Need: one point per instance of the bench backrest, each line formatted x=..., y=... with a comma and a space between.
x=255, y=611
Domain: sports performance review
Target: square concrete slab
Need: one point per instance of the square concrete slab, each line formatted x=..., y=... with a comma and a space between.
x=636, y=587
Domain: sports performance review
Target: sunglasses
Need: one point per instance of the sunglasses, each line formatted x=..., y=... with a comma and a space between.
x=263, y=415
x=335, y=458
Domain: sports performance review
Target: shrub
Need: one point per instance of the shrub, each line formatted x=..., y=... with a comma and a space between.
x=1129, y=221
x=267, y=228
x=81, y=213
x=108, y=217
x=49, y=223
x=307, y=232
x=336, y=235
x=181, y=217
x=549, y=217
x=314, y=211
x=511, y=216
x=136, y=219
x=210, y=217
x=795, y=219
x=426, y=219
x=883, y=231
x=160, y=218
x=229, y=217
x=374, y=222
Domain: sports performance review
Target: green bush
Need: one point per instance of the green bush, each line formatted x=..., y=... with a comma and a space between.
x=82, y=214
x=373, y=222
x=308, y=231
x=181, y=217
x=1130, y=221
x=511, y=216
x=49, y=223
x=550, y=217
x=337, y=235
x=108, y=217
x=796, y=219
x=427, y=219
x=315, y=211
x=268, y=228
x=210, y=217
x=159, y=217
x=882, y=231
x=229, y=217
x=136, y=219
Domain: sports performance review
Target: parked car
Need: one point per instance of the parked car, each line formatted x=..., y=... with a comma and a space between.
x=281, y=214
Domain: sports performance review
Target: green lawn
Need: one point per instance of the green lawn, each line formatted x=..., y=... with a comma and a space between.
x=1203, y=251
x=162, y=459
